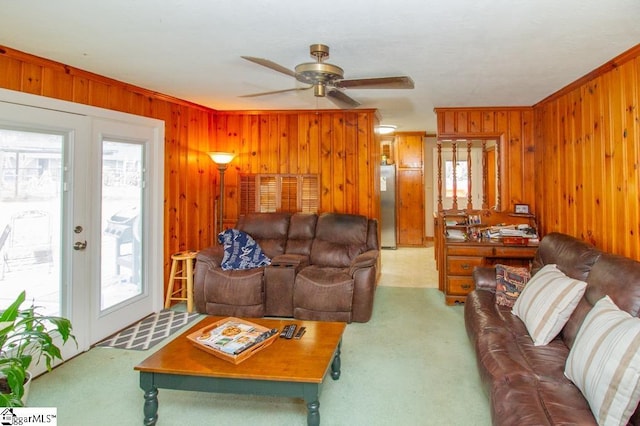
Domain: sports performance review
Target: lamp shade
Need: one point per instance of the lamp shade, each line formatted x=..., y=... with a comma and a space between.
x=221, y=157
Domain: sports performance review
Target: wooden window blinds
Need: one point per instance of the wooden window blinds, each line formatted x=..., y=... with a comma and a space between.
x=279, y=193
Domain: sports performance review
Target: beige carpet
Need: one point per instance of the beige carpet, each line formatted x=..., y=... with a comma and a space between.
x=409, y=267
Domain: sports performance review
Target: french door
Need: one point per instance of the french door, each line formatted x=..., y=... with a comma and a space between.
x=76, y=218
x=122, y=204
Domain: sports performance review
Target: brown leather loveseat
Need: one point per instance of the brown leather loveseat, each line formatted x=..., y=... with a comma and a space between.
x=526, y=384
x=323, y=267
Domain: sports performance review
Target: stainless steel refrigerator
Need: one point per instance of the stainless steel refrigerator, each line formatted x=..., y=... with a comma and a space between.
x=388, y=206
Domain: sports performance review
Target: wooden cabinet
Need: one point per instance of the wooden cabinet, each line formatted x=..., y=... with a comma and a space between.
x=410, y=150
x=410, y=207
x=410, y=185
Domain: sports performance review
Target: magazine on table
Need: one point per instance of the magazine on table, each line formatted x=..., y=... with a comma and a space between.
x=234, y=337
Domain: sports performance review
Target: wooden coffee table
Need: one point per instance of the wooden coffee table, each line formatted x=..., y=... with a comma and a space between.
x=290, y=368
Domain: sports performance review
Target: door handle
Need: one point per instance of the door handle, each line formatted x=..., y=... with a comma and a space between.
x=80, y=245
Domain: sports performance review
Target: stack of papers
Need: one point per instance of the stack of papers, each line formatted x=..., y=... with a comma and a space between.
x=456, y=234
x=511, y=231
x=508, y=232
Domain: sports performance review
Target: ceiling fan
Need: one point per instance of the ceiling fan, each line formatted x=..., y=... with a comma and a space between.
x=327, y=79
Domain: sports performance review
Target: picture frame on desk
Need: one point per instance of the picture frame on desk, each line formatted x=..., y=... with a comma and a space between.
x=474, y=219
x=521, y=209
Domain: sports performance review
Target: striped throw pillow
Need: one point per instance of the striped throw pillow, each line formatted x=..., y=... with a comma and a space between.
x=547, y=302
x=604, y=362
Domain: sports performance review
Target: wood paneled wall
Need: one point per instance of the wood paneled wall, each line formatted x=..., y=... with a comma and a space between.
x=588, y=157
x=340, y=145
x=513, y=127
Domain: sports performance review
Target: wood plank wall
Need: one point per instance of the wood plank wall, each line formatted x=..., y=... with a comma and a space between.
x=588, y=151
x=513, y=127
x=340, y=145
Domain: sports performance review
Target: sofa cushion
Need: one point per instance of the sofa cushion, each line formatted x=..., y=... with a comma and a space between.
x=572, y=256
x=604, y=362
x=302, y=229
x=624, y=290
x=339, y=239
x=482, y=313
x=546, y=303
x=524, y=402
x=510, y=280
x=323, y=289
x=237, y=287
x=268, y=229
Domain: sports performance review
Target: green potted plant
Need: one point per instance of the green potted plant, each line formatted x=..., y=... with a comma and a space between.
x=26, y=335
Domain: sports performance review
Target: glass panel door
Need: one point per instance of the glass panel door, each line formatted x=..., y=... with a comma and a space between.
x=122, y=208
x=40, y=202
x=31, y=194
x=80, y=214
x=123, y=292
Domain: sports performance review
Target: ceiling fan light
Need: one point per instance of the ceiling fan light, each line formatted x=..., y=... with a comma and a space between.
x=385, y=129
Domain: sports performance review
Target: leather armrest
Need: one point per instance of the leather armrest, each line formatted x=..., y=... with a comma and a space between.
x=211, y=256
x=484, y=277
x=364, y=260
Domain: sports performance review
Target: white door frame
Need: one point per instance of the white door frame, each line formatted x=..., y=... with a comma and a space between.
x=82, y=314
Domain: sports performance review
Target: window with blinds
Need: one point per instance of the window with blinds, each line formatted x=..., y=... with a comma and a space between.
x=279, y=193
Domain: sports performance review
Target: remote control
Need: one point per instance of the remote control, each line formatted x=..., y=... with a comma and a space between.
x=284, y=331
x=300, y=332
x=290, y=331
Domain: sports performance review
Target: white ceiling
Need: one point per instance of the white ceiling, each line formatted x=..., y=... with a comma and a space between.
x=458, y=52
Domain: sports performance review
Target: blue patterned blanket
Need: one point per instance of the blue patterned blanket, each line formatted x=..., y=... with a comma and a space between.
x=241, y=251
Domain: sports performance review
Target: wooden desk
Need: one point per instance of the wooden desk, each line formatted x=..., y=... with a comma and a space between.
x=461, y=257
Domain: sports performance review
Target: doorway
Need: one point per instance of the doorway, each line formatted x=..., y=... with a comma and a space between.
x=66, y=179
x=465, y=174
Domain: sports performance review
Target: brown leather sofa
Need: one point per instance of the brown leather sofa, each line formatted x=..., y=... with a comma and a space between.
x=526, y=383
x=323, y=267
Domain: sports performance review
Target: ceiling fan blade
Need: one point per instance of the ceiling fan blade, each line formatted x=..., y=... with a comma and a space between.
x=273, y=92
x=402, y=82
x=342, y=100
x=270, y=64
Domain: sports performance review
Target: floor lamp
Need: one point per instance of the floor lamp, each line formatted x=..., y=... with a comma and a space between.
x=222, y=160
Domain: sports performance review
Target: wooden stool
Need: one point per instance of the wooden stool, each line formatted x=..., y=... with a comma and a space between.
x=185, y=273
